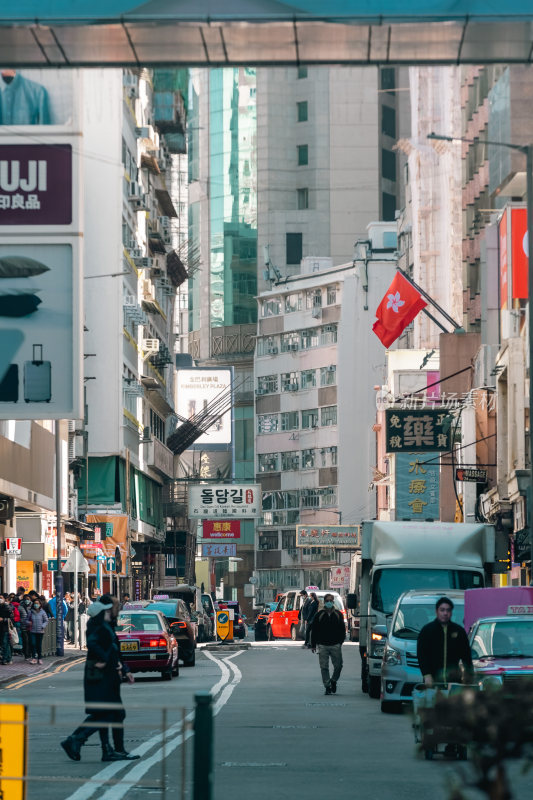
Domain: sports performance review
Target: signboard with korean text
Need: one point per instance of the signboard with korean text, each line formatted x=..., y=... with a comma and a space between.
x=213, y=529
x=328, y=536
x=340, y=577
x=212, y=550
x=470, y=475
x=418, y=430
x=417, y=486
x=235, y=501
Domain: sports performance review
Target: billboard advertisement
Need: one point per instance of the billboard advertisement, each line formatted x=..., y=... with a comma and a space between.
x=36, y=97
x=513, y=242
x=328, y=535
x=504, y=268
x=200, y=389
x=232, y=501
x=417, y=486
x=40, y=360
x=35, y=184
x=213, y=529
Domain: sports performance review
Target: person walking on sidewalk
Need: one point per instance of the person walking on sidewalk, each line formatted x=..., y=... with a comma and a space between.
x=25, y=625
x=38, y=622
x=328, y=632
x=6, y=617
x=102, y=678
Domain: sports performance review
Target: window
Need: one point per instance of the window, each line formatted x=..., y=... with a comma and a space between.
x=267, y=346
x=289, y=381
x=328, y=375
x=271, y=308
x=328, y=456
x=308, y=378
x=302, y=72
x=310, y=418
x=328, y=496
x=157, y=426
x=309, y=338
x=267, y=423
x=289, y=421
x=388, y=121
x=267, y=384
x=303, y=198
x=331, y=295
x=268, y=541
x=290, y=341
x=313, y=299
x=308, y=459
x=328, y=415
x=388, y=79
x=310, y=498
x=293, y=248
x=388, y=206
x=288, y=540
x=268, y=462
x=303, y=155
x=293, y=302
x=388, y=164
x=328, y=334
x=290, y=460
x=301, y=108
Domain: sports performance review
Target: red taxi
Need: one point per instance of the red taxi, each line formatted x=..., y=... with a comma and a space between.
x=146, y=642
x=283, y=621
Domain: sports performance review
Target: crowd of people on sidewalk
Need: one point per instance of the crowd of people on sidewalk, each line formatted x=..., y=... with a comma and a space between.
x=24, y=617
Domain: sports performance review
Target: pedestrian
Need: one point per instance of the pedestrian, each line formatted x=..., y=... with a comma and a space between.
x=25, y=625
x=45, y=605
x=17, y=617
x=38, y=621
x=442, y=649
x=311, y=614
x=104, y=671
x=302, y=613
x=125, y=599
x=52, y=605
x=21, y=591
x=69, y=618
x=6, y=621
x=328, y=632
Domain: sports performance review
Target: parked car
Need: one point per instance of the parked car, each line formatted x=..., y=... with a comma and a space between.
x=400, y=671
x=283, y=621
x=192, y=596
x=209, y=610
x=261, y=621
x=147, y=643
x=239, y=625
x=182, y=624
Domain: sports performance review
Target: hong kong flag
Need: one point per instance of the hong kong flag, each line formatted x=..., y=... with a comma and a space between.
x=398, y=308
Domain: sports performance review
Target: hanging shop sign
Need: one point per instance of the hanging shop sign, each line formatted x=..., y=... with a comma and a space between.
x=236, y=501
x=215, y=529
x=417, y=486
x=328, y=536
x=418, y=431
x=471, y=475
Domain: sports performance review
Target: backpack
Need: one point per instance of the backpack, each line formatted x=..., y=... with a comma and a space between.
x=16, y=612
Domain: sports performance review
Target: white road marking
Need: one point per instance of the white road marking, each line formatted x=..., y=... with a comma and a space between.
x=141, y=768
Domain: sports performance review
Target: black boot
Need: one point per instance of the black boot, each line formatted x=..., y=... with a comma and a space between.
x=72, y=747
x=118, y=744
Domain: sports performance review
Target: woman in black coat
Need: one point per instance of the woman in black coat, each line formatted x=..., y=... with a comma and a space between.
x=101, y=682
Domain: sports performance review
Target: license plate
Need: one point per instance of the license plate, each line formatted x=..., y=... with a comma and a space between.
x=128, y=646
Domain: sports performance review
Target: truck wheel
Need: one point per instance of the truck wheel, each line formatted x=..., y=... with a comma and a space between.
x=294, y=633
x=374, y=687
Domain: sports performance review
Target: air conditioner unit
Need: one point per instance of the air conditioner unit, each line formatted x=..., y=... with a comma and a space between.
x=293, y=347
x=260, y=391
x=144, y=262
x=332, y=368
x=76, y=447
x=151, y=345
x=148, y=290
x=273, y=351
x=71, y=425
x=292, y=387
x=157, y=272
x=135, y=252
x=293, y=552
x=134, y=190
x=129, y=300
x=147, y=434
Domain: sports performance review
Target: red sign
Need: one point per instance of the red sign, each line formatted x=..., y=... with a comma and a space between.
x=13, y=546
x=503, y=261
x=519, y=247
x=227, y=529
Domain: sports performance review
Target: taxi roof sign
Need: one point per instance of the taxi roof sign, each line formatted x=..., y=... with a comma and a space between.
x=160, y=597
x=512, y=610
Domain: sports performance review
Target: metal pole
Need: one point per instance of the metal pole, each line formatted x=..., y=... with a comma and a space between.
x=203, y=747
x=529, y=500
x=76, y=596
x=60, y=639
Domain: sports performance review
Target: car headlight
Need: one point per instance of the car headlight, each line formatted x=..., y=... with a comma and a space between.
x=491, y=682
x=392, y=657
x=378, y=645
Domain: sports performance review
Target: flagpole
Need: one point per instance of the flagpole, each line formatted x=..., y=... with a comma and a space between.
x=430, y=300
x=433, y=319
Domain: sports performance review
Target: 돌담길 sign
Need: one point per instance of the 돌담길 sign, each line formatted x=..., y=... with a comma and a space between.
x=418, y=430
x=232, y=501
x=328, y=536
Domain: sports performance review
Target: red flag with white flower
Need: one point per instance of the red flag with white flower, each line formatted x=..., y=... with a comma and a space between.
x=398, y=308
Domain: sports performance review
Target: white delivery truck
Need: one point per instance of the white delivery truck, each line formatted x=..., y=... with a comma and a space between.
x=398, y=556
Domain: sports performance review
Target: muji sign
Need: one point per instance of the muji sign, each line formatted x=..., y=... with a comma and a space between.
x=35, y=184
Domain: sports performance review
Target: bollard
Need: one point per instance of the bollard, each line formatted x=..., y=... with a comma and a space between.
x=203, y=747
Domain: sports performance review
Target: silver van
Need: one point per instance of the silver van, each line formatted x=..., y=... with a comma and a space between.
x=400, y=671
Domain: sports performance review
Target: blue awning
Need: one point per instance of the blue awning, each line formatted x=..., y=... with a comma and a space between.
x=263, y=32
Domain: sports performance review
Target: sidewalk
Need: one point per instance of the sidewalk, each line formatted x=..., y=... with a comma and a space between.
x=21, y=668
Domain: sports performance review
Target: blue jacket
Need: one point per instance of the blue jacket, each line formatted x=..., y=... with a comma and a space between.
x=52, y=606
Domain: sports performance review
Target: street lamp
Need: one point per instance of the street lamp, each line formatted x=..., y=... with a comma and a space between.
x=527, y=150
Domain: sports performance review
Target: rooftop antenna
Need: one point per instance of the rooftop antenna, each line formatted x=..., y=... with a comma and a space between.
x=270, y=267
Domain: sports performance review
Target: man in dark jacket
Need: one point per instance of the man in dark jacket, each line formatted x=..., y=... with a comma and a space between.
x=328, y=632
x=101, y=682
x=442, y=647
x=312, y=609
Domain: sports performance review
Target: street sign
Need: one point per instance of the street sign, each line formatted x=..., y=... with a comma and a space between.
x=222, y=550
x=471, y=475
x=13, y=747
x=52, y=564
x=100, y=556
x=13, y=546
x=110, y=563
x=224, y=625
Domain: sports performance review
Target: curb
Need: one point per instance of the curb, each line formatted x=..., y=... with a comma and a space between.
x=58, y=660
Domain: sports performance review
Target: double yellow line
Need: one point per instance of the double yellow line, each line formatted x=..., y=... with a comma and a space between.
x=34, y=678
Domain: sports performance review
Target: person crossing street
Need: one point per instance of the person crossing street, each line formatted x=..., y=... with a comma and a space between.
x=328, y=632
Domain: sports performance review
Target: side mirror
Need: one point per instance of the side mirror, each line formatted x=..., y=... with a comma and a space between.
x=381, y=629
x=351, y=601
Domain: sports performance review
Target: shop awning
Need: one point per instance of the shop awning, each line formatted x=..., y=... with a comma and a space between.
x=263, y=32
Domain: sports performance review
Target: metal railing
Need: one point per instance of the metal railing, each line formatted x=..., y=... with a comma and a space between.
x=172, y=733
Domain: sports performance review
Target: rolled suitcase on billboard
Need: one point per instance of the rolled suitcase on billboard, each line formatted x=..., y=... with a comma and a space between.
x=37, y=378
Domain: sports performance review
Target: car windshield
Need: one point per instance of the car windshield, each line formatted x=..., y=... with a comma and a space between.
x=389, y=584
x=138, y=623
x=411, y=618
x=512, y=638
x=167, y=609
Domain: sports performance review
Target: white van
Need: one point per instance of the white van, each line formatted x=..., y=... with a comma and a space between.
x=400, y=672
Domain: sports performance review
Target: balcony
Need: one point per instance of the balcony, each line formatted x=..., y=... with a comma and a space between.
x=159, y=458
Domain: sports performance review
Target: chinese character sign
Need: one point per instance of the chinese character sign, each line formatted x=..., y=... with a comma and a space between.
x=418, y=431
x=215, y=529
x=417, y=486
x=218, y=550
x=232, y=501
x=340, y=577
x=328, y=536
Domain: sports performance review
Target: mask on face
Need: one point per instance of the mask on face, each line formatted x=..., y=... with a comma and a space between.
x=36, y=606
x=27, y=602
x=329, y=604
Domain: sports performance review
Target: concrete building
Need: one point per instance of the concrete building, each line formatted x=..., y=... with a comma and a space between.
x=317, y=360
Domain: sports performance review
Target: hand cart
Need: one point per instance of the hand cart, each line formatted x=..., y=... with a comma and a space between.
x=445, y=739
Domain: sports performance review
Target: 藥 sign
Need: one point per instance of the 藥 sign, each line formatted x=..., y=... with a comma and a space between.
x=417, y=430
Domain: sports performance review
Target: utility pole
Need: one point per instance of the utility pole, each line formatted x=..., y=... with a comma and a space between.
x=60, y=639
